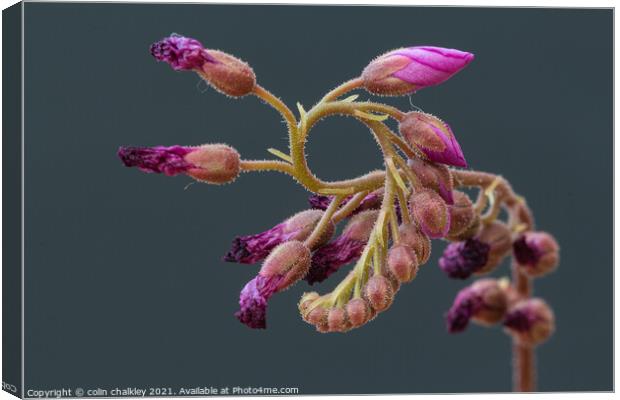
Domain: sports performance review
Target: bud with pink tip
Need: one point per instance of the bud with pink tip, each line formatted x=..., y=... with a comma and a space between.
x=286, y=264
x=227, y=74
x=343, y=250
x=253, y=248
x=484, y=302
x=462, y=214
x=211, y=163
x=431, y=213
x=433, y=137
x=402, y=263
x=531, y=321
x=379, y=293
x=403, y=71
x=433, y=176
x=358, y=312
x=537, y=253
x=499, y=237
x=409, y=235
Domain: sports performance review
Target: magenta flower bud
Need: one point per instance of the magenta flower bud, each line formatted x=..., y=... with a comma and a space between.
x=409, y=235
x=461, y=259
x=431, y=213
x=286, y=264
x=211, y=163
x=182, y=53
x=225, y=73
x=484, y=301
x=537, y=253
x=343, y=250
x=372, y=201
x=406, y=70
x=253, y=248
x=432, y=137
x=433, y=176
x=402, y=263
x=531, y=321
x=379, y=293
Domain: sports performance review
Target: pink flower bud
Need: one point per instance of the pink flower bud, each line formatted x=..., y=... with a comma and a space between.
x=433, y=176
x=253, y=248
x=406, y=70
x=213, y=163
x=358, y=312
x=499, y=237
x=531, y=321
x=431, y=213
x=462, y=214
x=290, y=260
x=305, y=302
x=537, y=253
x=379, y=293
x=402, y=263
x=228, y=74
x=343, y=250
x=411, y=236
x=433, y=137
x=337, y=320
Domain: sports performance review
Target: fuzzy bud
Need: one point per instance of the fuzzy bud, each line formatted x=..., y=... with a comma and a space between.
x=484, y=302
x=290, y=260
x=499, y=237
x=433, y=176
x=214, y=163
x=403, y=71
x=531, y=321
x=306, y=300
x=461, y=259
x=430, y=212
x=402, y=263
x=379, y=293
x=462, y=214
x=433, y=137
x=410, y=236
x=358, y=312
x=337, y=320
x=537, y=253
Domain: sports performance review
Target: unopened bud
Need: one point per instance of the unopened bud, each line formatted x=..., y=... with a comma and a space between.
x=433, y=137
x=318, y=317
x=499, y=237
x=494, y=301
x=461, y=259
x=470, y=232
x=531, y=321
x=409, y=235
x=433, y=176
x=537, y=253
x=214, y=163
x=379, y=293
x=337, y=320
x=358, y=312
x=430, y=212
x=405, y=70
x=305, y=302
x=462, y=214
x=291, y=260
x=402, y=263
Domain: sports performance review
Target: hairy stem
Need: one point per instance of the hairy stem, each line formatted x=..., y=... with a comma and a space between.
x=523, y=355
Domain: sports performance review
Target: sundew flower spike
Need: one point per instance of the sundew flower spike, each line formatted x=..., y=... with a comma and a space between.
x=389, y=215
x=406, y=70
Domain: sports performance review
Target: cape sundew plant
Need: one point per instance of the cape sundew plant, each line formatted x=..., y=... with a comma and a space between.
x=390, y=215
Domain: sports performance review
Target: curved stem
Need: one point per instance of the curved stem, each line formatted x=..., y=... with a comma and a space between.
x=349, y=207
x=323, y=223
x=277, y=104
x=342, y=89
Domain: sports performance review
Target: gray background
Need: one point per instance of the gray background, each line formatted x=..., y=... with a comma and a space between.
x=124, y=283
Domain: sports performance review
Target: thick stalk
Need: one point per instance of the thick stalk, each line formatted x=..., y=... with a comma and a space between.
x=523, y=356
